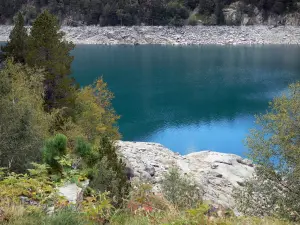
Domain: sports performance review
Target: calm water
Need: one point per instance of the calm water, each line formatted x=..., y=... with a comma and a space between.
x=189, y=98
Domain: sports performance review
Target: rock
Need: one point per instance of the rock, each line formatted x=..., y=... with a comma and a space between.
x=72, y=192
x=217, y=173
x=191, y=35
x=150, y=170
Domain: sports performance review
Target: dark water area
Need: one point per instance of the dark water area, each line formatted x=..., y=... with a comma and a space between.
x=189, y=98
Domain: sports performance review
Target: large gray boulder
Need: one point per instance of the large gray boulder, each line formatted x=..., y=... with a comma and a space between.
x=217, y=173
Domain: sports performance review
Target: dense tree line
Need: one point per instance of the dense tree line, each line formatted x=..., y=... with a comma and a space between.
x=135, y=12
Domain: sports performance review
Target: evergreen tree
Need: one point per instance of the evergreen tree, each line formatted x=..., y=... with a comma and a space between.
x=16, y=45
x=48, y=49
x=110, y=172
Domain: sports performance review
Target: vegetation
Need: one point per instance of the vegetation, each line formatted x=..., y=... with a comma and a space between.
x=47, y=49
x=23, y=123
x=16, y=46
x=120, y=12
x=43, y=148
x=274, y=191
x=181, y=190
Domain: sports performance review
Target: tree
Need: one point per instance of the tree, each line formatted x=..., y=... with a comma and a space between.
x=109, y=172
x=275, y=148
x=47, y=49
x=16, y=46
x=23, y=122
x=94, y=113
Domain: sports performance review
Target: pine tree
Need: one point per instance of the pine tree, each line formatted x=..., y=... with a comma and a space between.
x=16, y=45
x=48, y=49
x=110, y=172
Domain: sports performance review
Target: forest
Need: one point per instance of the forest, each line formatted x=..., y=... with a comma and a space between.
x=138, y=12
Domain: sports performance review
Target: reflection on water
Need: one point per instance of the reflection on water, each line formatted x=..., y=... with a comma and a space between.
x=189, y=98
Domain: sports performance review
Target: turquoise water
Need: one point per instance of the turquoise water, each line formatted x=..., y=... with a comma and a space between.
x=189, y=98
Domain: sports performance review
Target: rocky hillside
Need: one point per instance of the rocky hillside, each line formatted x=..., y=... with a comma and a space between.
x=157, y=12
x=239, y=13
x=217, y=173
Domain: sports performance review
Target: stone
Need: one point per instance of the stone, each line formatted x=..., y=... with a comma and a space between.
x=72, y=192
x=151, y=170
x=216, y=173
x=270, y=33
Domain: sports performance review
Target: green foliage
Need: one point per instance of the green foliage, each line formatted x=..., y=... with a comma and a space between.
x=62, y=217
x=193, y=20
x=98, y=207
x=23, y=123
x=180, y=190
x=47, y=49
x=83, y=148
x=53, y=150
x=275, y=147
x=34, y=187
x=94, y=114
x=108, y=174
x=16, y=46
x=142, y=200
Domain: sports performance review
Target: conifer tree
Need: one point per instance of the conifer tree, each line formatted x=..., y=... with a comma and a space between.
x=109, y=172
x=16, y=45
x=48, y=49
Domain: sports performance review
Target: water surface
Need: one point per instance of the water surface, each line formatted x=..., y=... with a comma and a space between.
x=189, y=98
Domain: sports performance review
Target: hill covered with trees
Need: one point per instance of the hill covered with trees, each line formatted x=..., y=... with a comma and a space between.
x=153, y=12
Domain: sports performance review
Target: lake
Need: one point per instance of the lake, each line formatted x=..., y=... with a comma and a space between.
x=189, y=98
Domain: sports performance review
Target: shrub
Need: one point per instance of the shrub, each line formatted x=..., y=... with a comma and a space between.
x=179, y=190
x=55, y=148
x=274, y=147
x=98, y=207
x=143, y=200
x=193, y=20
x=24, y=124
x=108, y=174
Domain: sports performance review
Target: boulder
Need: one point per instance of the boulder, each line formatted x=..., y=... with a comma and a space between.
x=216, y=173
x=72, y=192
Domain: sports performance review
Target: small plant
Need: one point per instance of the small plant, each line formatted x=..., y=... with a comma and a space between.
x=142, y=200
x=181, y=191
x=98, y=207
x=198, y=214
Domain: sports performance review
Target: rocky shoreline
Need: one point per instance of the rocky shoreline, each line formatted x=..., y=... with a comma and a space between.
x=216, y=173
x=187, y=35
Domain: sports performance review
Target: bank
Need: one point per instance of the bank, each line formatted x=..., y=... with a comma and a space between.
x=187, y=35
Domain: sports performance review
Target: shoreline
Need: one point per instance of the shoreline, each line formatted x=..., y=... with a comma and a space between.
x=182, y=36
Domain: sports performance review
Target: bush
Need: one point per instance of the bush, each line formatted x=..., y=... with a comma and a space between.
x=55, y=148
x=24, y=124
x=143, y=200
x=179, y=190
x=274, y=147
x=193, y=20
x=108, y=174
